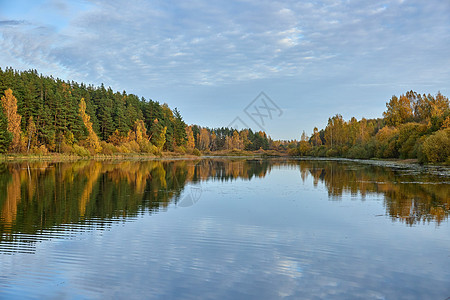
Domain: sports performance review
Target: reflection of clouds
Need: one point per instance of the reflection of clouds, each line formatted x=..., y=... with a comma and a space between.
x=290, y=268
x=188, y=256
x=262, y=246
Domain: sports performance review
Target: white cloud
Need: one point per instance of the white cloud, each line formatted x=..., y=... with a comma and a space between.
x=146, y=45
x=177, y=41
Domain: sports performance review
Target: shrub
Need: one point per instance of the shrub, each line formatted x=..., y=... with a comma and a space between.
x=180, y=149
x=41, y=150
x=386, y=142
x=108, y=148
x=80, y=151
x=304, y=148
x=293, y=151
x=146, y=147
x=319, y=151
x=65, y=148
x=332, y=152
x=436, y=147
x=196, y=152
x=357, y=151
x=408, y=136
x=123, y=149
x=131, y=147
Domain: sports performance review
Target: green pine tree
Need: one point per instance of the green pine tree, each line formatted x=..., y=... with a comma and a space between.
x=5, y=135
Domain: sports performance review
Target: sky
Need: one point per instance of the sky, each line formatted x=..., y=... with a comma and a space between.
x=280, y=66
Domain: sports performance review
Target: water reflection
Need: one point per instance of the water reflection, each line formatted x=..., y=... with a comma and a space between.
x=41, y=196
x=408, y=195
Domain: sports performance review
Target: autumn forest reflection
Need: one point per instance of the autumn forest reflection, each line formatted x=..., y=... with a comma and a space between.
x=43, y=195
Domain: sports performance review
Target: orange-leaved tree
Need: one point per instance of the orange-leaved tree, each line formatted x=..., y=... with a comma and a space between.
x=92, y=140
x=190, y=137
x=9, y=104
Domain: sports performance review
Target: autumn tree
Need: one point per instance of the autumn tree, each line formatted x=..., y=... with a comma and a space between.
x=237, y=141
x=228, y=143
x=386, y=142
x=92, y=140
x=244, y=137
x=141, y=137
x=304, y=145
x=204, y=139
x=364, y=132
x=160, y=138
x=439, y=106
x=190, y=138
x=116, y=138
x=315, y=138
x=436, y=148
x=399, y=111
x=446, y=123
x=335, y=132
x=140, y=131
x=158, y=134
x=9, y=104
x=213, y=144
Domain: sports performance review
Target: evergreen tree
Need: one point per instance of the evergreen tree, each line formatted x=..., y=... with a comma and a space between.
x=179, y=129
x=5, y=135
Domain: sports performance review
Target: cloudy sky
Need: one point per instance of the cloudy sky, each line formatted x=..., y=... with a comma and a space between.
x=210, y=59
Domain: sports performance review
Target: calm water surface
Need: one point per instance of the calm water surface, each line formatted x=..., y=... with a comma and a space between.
x=223, y=229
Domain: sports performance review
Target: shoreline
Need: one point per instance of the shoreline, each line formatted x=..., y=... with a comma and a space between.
x=57, y=157
x=402, y=165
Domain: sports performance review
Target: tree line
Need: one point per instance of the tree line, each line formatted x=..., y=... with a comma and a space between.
x=42, y=114
x=414, y=126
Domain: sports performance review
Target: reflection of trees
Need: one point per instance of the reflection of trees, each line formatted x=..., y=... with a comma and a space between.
x=417, y=198
x=9, y=210
x=40, y=195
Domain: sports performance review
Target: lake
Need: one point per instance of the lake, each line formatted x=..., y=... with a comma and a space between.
x=224, y=229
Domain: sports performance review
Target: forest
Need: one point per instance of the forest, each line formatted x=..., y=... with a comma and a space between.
x=42, y=115
x=414, y=126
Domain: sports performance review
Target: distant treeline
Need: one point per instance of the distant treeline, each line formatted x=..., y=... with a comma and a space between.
x=413, y=126
x=42, y=114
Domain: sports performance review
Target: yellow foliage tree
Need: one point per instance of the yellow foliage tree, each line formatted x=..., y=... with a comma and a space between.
x=116, y=138
x=190, y=137
x=204, y=139
x=446, y=123
x=92, y=139
x=315, y=139
x=244, y=138
x=140, y=131
x=228, y=143
x=237, y=141
x=9, y=104
x=160, y=139
x=398, y=111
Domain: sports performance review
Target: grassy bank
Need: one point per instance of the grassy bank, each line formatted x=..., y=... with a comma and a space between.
x=137, y=156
